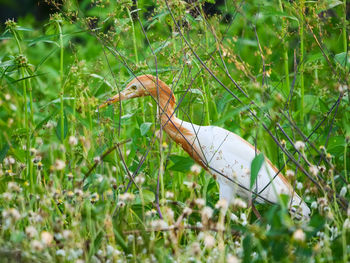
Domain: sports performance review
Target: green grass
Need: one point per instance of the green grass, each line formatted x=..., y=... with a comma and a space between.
x=53, y=77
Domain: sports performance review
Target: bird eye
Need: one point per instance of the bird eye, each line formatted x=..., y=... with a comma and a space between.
x=133, y=87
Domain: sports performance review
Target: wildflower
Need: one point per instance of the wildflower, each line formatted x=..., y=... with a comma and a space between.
x=196, y=248
x=59, y=165
x=199, y=202
x=159, y=224
x=244, y=219
x=7, y=196
x=78, y=192
x=209, y=241
x=130, y=238
x=94, y=197
x=343, y=191
x=109, y=193
x=299, y=185
x=233, y=217
x=169, y=195
x=67, y=234
x=36, y=245
x=346, y=224
x=9, y=160
x=70, y=176
x=61, y=253
x=7, y=96
x=50, y=124
x=232, y=259
x=290, y=173
x=39, y=141
x=314, y=205
x=39, y=165
x=150, y=213
x=342, y=88
x=187, y=211
x=128, y=197
x=139, y=240
x=196, y=169
x=73, y=141
x=238, y=202
x=329, y=157
x=31, y=231
x=207, y=212
x=13, y=187
x=121, y=204
x=221, y=204
x=46, y=238
x=140, y=179
x=299, y=145
x=313, y=170
x=299, y=235
x=12, y=214
x=283, y=143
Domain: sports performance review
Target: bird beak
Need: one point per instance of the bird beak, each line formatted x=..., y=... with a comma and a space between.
x=123, y=95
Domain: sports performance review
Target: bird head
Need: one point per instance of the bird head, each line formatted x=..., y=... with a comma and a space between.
x=145, y=85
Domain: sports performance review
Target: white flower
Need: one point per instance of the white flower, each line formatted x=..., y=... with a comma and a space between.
x=238, y=202
x=11, y=213
x=221, y=204
x=199, y=202
x=343, y=191
x=73, y=140
x=67, y=234
x=313, y=170
x=346, y=224
x=97, y=159
x=209, y=241
x=290, y=173
x=299, y=145
x=140, y=179
x=299, y=235
x=31, y=231
x=46, y=237
x=36, y=245
x=169, y=195
x=314, y=205
x=159, y=224
x=232, y=259
x=342, y=88
x=299, y=185
x=207, y=212
x=61, y=253
x=128, y=197
x=60, y=165
x=196, y=169
x=187, y=211
x=233, y=217
x=7, y=96
x=13, y=187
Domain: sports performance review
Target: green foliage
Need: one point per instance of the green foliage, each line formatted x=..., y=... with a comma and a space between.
x=280, y=61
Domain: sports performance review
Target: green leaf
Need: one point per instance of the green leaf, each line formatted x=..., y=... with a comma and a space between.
x=144, y=128
x=4, y=151
x=65, y=128
x=148, y=196
x=255, y=168
x=181, y=164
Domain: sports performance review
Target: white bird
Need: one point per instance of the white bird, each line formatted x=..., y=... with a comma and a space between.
x=222, y=153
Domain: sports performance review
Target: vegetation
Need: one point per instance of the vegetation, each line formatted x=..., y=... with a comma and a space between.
x=274, y=72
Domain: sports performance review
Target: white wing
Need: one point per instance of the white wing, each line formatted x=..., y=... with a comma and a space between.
x=229, y=156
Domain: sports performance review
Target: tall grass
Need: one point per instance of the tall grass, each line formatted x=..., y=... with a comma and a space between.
x=68, y=199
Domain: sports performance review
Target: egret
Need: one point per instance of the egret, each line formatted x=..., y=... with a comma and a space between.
x=225, y=155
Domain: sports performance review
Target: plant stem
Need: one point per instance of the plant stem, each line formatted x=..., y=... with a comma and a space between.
x=285, y=51
x=61, y=81
x=345, y=43
x=206, y=103
x=26, y=119
x=301, y=32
